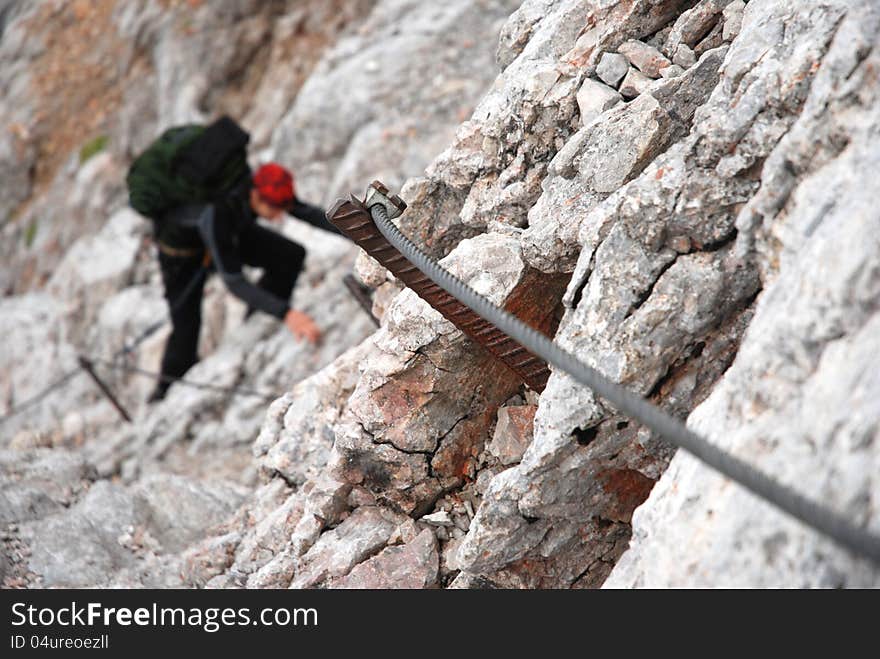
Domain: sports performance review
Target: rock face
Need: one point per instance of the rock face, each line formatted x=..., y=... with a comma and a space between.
x=414, y=67
x=417, y=425
x=800, y=399
x=673, y=189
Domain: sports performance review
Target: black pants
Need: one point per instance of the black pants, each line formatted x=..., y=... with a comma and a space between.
x=184, y=279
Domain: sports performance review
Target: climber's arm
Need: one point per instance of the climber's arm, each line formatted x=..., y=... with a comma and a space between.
x=313, y=215
x=222, y=245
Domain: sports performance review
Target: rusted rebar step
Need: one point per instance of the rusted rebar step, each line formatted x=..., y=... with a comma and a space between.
x=353, y=218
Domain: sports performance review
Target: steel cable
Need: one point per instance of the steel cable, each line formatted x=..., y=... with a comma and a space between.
x=235, y=390
x=821, y=518
x=33, y=400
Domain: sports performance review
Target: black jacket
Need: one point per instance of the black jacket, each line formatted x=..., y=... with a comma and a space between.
x=216, y=227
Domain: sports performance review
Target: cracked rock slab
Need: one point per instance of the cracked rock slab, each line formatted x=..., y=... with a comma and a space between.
x=409, y=566
x=336, y=552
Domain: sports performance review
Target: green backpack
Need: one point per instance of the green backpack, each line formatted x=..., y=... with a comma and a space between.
x=188, y=164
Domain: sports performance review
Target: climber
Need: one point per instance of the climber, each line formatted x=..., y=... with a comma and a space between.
x=222, y=235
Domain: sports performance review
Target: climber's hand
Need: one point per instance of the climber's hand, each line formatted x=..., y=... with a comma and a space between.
x=302, y=326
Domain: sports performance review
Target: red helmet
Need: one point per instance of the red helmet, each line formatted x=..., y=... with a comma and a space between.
x=274, y=184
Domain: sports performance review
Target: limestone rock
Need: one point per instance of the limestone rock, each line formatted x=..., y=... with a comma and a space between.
x=112, y=526
x=96, y=266
x=733, y=18
x=413, y=565
x=594, y=98
x=440, y=518
x=204, y=562
x=338, y=551
x=298, y=444
x=645, y=58
x=824, y=354
x=672, y=71
x=694, y=24
x=513, y=433
x=593, y=164
x=634, y=84
x=38, y=483
x=684, y=56
x=334, y=129
x=414, y=426
x=612, y=68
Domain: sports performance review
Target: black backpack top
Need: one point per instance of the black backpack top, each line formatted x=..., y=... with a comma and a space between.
x=188, y=164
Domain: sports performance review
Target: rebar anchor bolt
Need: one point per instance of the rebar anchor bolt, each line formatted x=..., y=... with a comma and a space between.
x=379, y=195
